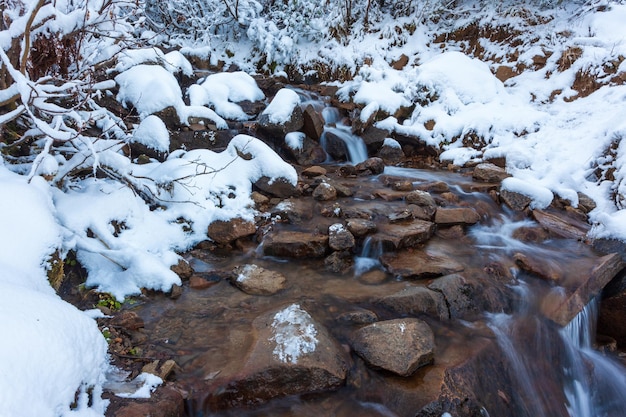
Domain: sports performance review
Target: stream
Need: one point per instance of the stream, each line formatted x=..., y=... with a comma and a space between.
x=496, y=351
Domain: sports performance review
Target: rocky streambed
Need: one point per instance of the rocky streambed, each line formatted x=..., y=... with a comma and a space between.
x=368, y=289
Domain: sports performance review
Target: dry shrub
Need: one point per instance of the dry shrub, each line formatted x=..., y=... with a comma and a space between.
x=53, y=55
x=585, y=83
x=568, y=57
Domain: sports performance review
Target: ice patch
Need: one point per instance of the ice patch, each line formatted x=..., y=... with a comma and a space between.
x=294, y=333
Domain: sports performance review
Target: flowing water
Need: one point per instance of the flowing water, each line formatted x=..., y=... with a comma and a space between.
x=545, y=371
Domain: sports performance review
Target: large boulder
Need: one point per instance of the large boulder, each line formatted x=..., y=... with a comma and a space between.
x=399, y=346
x=292, y=354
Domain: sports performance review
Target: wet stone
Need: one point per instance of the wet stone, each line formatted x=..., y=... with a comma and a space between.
x=255, y=280
x=453, y=216
x=538, y=267
x=361, y=227
x=295, y=244
x=340, y=238
x=324, y=192
x=373, y=166
x=418, y=264
x=339, y=262
x=415, y=300
x=314, y=171
x=313, y=122
x=395, y=236
x=225, y=232
x=182, y=269
x=292, y=354
x=516, y=201
x=278, y=187
x=462, y=297
x=293, y=210
x=400, y=346
x=561, y=225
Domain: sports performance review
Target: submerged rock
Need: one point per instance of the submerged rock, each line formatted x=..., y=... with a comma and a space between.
x=292, y=354
x=400, y=346
x=254, y=280
x=417, y=264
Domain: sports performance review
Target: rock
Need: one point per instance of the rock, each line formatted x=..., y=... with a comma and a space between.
x=452, y=232
x=434, y=187
x=254, y=280
x=562, y=308
x=418, y=264
x=391, y=152
x=324, y=192
x=339, y=262
x=516, y=201
x=613, y=310
x=294, y=244
x=402, y=185
x=182, y=269
x=530, y=234
x=161, y=369
x=310, y=153
x=389, y=195
x=586, y=203
x=400, y=63
x=422, y=199
x=400, y=346
x=314, y=171
x=459, y=215
x=292, y=355
x=538, y=267
x=358, y=316
x=278, y=187
x=276, y=130
x=462, y=298
x=164, y=402
x=488, y=172
x=394, y=236
x=560, y=225
x=224, y=232
x=198, y=282
x=371, y=166
x=361, y=227
x=313, y=123
x=340, y=238
x=373, y=277
x=294, y=210
x=416, y=300
x=128, y=320
x=504, y=72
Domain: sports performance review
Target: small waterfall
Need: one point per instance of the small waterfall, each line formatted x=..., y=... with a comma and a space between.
x=556, y=372
x=369, y=257
x=355, y=147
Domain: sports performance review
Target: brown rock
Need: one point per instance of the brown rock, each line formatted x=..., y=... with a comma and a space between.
x=400, y=346
x=277, y=131
x=314, y=171
x=361, y=227
x=164, y=402
x=560, y=225
x=489, y=172
x=416, y=300
x=295, y=244
x=225, y=232
x=530, y=234
x=516, y=201
x=395, y=236
x=504, y=72
x=418, y=264
x=292, y=355
x=538, y=267
x=199, y=283
x=128, y=320
x=313, y=123
x=340, y=238
x=294, y=210
x=400, y=63
x=254, y=280
x=325, y=192
x=452, y=216
x=182, y=269
x=462, y=297
x=391, y=153
x=278, y=187
x=372, y=166
x=339, y=262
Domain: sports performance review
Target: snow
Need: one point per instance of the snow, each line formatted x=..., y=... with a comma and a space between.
x=153, y=133
x=281, y=107
x=295, y=140
x=51, y=350
x=294, y=333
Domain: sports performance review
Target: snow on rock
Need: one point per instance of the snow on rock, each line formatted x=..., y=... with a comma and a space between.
x=540, y=196
x=151, y=88
x=153, y=133
x=223, y=90
x=294, y=334
x=295, y=140
x=279, y=111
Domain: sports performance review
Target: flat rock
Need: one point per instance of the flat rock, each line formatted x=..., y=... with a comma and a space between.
x=489, y=172
x=418, y=264
x=400, y=346
x=294, y=244
x=255, y=280
x=516, y=201
x=225, y=232
x=361, y=227
x=561, y=225
x=415, y=300
x=340, y=238
x=458, y=215
x=396, y=236
x=292, y=355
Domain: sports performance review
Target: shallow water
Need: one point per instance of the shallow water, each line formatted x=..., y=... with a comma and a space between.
x=208, y=332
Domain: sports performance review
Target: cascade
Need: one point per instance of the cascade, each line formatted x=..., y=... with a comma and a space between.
x=369, y=257
x=355, y=147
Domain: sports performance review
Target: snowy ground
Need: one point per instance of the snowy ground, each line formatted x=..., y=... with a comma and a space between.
x=552, y=144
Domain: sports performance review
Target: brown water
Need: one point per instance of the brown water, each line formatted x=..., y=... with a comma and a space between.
x=208, y=332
